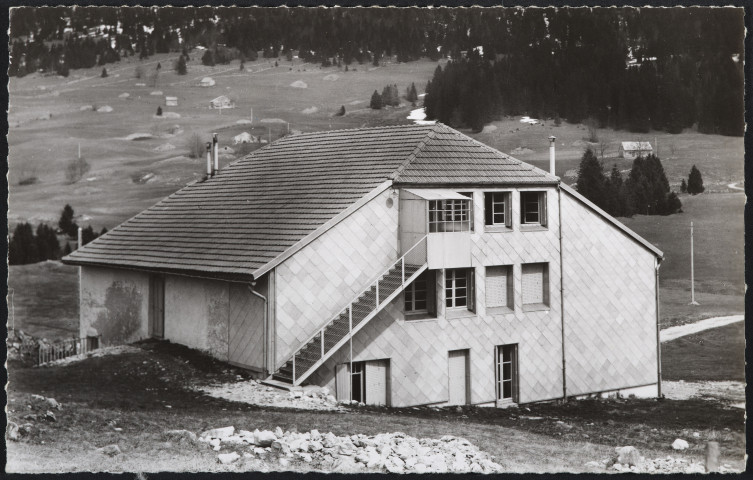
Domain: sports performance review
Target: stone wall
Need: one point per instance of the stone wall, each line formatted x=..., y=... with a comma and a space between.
x=114, y=304
x=196, y=314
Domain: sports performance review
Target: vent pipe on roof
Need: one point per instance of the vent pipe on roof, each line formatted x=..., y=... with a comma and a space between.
x=216, y=153
x=551, y=154
x=209, y=159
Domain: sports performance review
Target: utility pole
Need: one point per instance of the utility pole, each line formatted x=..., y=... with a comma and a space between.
x=692, y=269
x=79, y=150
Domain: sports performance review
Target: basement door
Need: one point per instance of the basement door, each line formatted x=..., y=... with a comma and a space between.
x=246, y=328
x=368, y=382
x=458, y=377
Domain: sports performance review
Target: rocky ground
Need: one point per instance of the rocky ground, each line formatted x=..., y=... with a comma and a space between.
x=385, y=452
x=253, y=392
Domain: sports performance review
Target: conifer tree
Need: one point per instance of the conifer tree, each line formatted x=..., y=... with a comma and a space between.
x=683, y=186
x=104, y=73
x=66, y=223
x=159, y=111
x=695, y=181
x=376, y=101
x=591, y=182
x=180, y=67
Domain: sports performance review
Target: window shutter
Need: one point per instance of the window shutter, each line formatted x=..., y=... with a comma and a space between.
x=508, y=209
x=488, y=209
x=471, y=291
x=496, y=286
x=533, y=283
x=431, y=292
x=542, y=208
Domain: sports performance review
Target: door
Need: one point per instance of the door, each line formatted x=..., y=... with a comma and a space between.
x=157, y=306
x=507, y=373
x=377, y=387
x=246, y=328
x=342, y=381
x=458, y=377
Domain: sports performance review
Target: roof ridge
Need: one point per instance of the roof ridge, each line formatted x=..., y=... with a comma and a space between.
x=319, y=132
x=412, y=156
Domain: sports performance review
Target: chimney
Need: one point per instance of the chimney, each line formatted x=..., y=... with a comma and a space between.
x=216, y=153
x=80, y=237
x=209, y=159
x=551, y=154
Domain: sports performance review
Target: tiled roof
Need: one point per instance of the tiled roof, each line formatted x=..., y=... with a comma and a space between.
x=258, y=207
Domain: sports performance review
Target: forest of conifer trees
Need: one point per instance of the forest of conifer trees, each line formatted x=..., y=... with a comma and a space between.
x=637, y=69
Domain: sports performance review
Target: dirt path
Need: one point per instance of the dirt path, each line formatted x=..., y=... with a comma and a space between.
x=672, y=333
x=734, y=186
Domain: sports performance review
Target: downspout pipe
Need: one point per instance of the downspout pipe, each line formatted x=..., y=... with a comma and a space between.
x=562, y=292
x=657, y=264
x=265, y=327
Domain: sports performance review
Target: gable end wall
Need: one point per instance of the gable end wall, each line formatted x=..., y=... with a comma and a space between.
x=610, y=304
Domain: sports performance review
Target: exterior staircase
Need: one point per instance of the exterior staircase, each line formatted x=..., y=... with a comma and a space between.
x=364, y=306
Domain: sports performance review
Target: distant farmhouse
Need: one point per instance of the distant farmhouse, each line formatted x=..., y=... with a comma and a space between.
x=245, y=137
x=207, y=82
x=407, y=265
x=171, y=101
x=221, y=102
x=634, y=150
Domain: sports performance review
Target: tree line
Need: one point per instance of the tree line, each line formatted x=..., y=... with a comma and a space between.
x=30, y=245
x=636, y=69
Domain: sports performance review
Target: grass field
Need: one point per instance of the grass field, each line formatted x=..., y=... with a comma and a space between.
x=718, y=244
x=145, y=393
x=712, y=355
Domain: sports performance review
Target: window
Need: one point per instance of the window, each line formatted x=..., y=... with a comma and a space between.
x=419, y=296
x=507, y=373
x=499, y=287
x=533, y=208
x=459, y=289
x=535, y=285
x=449, y=216
x=497, y=209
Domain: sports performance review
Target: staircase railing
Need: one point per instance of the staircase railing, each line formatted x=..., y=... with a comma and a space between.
x=364, y=306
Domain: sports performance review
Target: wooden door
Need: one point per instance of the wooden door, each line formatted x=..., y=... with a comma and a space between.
x=342, y=381
x=246, y=328
x=458, y=377
x=377, y=387
x=157, y=299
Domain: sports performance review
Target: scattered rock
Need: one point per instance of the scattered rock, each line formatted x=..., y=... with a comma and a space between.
x=309, y=110
x=11, y=431
x=180, y=436
x=53, y=403
x=227, y=458
x=299, y=84
x=124, y=95
x=628, y=455
x=244, y=121
x=50, y=417
x=219, y=432
x=104, y=109
x=265, y=438
x=164, y=148
x=110, y=450
x=680, y=444
x=156, y=92
x=331, y=77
